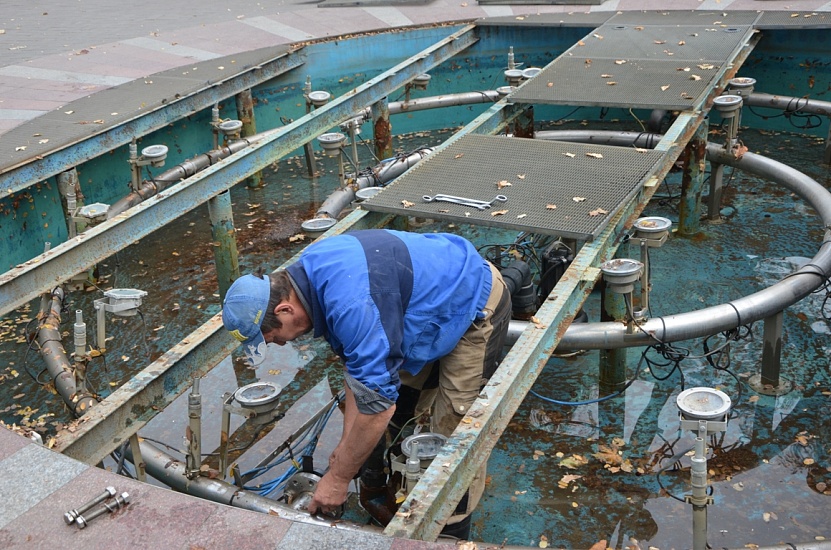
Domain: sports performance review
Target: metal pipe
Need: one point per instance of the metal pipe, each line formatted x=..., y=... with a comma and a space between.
x=55, y=357
x=172, y=472
x=789, y=104
x=149, y=188
x=708, y=321
x=383, y=173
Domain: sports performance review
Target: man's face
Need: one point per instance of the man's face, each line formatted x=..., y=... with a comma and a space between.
x=295, y=324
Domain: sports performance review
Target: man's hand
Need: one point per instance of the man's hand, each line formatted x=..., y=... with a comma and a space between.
x=329, y=495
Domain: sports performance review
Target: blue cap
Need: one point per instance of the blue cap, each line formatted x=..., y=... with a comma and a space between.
x=243, y=311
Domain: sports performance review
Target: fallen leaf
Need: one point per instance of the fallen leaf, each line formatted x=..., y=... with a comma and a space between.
x=521, y=176
x=42, y=141
x=551, y=206
x=739, y=150
x=659, y=41
x=68, y=112
x=578, y=199
x=599, y=37
x=503, y=183
x=550, y=84
x=681, y=43
x=611, y=83
x=521, y=216
x=296, y=238
x=499, y=213
x=808, y=461
x=20, y=148
x=695, y=77
x=598, y=212
x=407, y=204
x=706, y=66
x=665, y=88
x=570, y=155
x=594, y=155
x=460, y=155
x=685, y=69
x=752, y=398
x=620, y=61
x=605, y=76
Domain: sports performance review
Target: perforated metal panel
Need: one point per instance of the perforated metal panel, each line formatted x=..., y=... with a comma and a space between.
x=689, y=42
x=584, y=191
x=94, y=114
x=567, y=19
x=683, y=17
x=793, y=19
x=655, y=67
x=648, y=84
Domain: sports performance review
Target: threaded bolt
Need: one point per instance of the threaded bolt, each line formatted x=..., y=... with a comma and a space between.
x=72, y=515
x=120, y=501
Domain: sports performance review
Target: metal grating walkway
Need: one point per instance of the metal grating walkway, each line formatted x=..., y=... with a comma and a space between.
x=672, y=66
x=586, y=190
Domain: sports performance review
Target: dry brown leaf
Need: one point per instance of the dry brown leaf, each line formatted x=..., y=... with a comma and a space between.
x=620, y=61
x=739, y=150
x=503, y=183
x=665, y=88
x=605, y=76
x=639, y=28
x=659, y=41
x=681, y=43
x=521, y=176
x=578, y=199
x=685, y=69
x=695, y=77
x=296, y=238
x=551, y=206
x=598, y=212
x=599, y=37
x=499, y=213
x=550, y=84
x=570, y=155
x=706, y=66
x=594, y=155
x=521, y=216
x=611, y=83
x=460, y=155
x=407, y=204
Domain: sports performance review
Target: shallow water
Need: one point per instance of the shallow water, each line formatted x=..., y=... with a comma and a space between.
x=765, y=488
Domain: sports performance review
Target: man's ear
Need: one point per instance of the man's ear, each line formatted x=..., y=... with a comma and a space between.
x=283, y=306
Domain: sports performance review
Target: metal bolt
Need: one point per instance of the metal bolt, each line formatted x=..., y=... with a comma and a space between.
x=69, y=517
x=120, y=501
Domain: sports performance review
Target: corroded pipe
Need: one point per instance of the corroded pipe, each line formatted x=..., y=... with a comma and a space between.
x=186, y=169
x=55, y=357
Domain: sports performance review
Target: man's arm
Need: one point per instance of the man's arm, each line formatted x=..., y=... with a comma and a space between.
x=361, y=432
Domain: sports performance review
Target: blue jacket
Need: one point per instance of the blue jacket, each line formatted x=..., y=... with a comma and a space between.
x=388, y=300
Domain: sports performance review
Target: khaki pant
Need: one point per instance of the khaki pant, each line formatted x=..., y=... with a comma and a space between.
x=463, y=373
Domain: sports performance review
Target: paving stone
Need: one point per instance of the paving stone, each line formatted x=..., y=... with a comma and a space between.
x=330, y=538
x=11, y=442
x=30, y=475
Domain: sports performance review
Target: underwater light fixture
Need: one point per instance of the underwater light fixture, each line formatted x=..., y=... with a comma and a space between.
x=729, y=107
x=257, y=402
x=231, y=129
x=260, y=397
x=650, y=232
x=319, y=98
x=697, y=404
x=741, y=86
x=123, y=302
x=93, y=212
x=331, y=143
x=621, y=273
x=505, y=90
x=514, y=77
x=703, y=411
x=530, y=72
x=318, y=225
x=155, y=154
x=421, y=81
